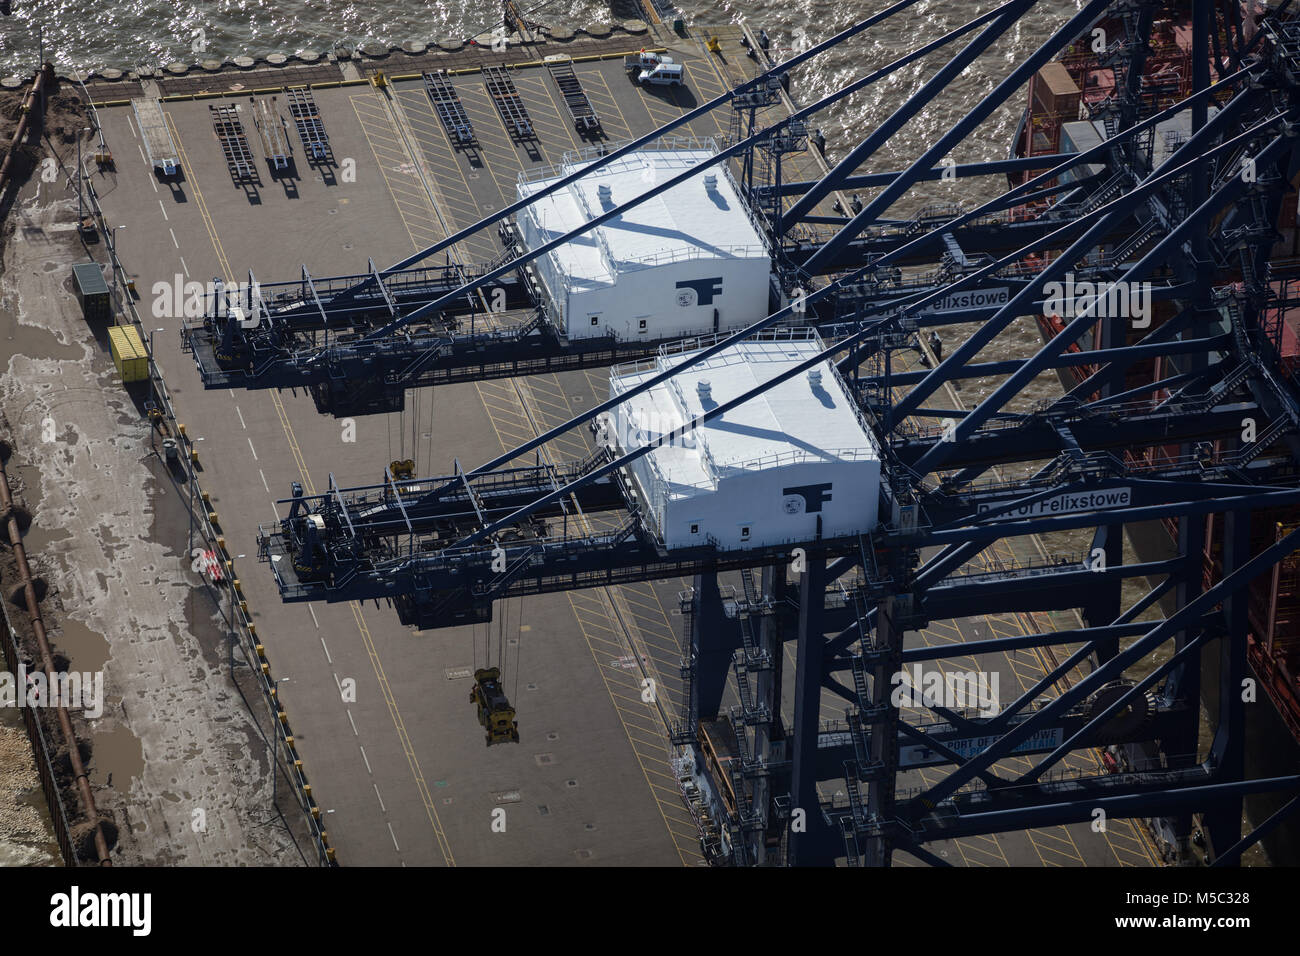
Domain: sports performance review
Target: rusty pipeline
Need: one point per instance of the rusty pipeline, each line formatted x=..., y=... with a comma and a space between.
x=10, y=519
x=25, y=118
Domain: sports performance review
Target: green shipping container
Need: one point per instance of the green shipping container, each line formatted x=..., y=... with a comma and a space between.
x=92, y=292
x=129, y=356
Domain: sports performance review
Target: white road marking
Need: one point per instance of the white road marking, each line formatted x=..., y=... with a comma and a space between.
x=394, y=836
x=317, y=623
x=141, y=148
x=174, y=242
x=353, y=723
x=241, y=416
x=380, y=799
x=253, y=450
x=338, y=683
x=264, y=484
x=163, y=208
x=366, y=759
x=131, y=125
x=184, y=268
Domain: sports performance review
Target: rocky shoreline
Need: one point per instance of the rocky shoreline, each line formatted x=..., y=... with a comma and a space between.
x=363, y=55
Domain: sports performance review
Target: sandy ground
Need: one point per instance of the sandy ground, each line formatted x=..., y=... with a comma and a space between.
x=25, y=835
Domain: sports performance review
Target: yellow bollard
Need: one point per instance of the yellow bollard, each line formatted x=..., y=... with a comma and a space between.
x=261, y=651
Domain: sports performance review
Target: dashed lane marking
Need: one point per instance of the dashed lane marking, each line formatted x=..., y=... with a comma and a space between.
x=292, y=442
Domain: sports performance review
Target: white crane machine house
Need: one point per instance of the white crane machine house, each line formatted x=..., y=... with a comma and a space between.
x=691, y=260
x=790, y=464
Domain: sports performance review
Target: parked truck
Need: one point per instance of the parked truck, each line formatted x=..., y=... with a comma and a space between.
x=653, y=69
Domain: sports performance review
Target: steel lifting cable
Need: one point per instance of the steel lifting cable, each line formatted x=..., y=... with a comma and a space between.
x=401, y=431
x=505, y=626
x=433, y=398
x=415, y=417
x=501, y=645
x=519, y=652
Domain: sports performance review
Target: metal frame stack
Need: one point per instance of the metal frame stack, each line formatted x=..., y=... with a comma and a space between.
x=306, y=117
x=446, y=102
x=159, y=148
x=234, y=144
x=509, y=104
x=575, y=98
x=274, y=143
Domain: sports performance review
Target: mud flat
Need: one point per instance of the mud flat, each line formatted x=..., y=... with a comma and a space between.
x=176, y=761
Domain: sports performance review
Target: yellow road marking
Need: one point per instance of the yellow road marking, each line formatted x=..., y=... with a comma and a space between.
x=309, y=487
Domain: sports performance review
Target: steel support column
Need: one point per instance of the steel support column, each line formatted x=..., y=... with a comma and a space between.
x=713, y=641
x=810, y=837
x=1228, y=751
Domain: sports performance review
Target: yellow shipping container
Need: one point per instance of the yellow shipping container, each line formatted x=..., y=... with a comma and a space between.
x=129, y=356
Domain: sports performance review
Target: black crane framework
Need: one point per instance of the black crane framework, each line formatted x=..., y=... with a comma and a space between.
x=1184, y=418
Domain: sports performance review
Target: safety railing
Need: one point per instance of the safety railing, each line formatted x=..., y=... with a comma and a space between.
x=666, y=256
x=589, y=154
x=792, y=456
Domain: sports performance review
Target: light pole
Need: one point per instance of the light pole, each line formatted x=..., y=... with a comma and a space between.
x=153, y=365
x=80, y=213
x=190, y=459
x=112, y=256
x=40, y=59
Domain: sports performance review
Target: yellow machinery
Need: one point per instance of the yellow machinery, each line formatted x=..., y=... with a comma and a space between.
x=494, y=710
x=129, y=357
